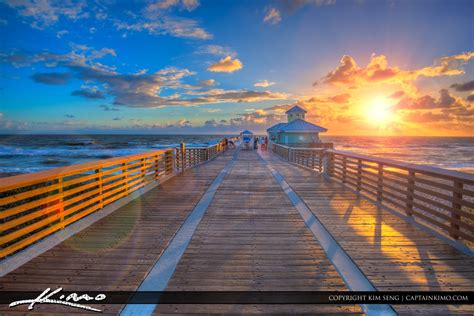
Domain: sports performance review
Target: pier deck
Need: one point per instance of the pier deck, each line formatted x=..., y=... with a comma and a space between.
x=250, y=236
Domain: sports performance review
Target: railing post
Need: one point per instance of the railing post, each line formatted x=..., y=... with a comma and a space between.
x=61, y=201
x=359, y=174
x=142, y=172
x=320, y=160
x=174, y=161
x=344, y=163
x=183, y=156
x=157, y=165
x=101, y=193
x=327, y=163
x=456, y=195
x=380, y=182
x=410, y=192
x=125, y=171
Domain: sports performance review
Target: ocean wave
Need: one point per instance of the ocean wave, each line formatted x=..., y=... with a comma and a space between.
x=56, y=162
x=79, y=143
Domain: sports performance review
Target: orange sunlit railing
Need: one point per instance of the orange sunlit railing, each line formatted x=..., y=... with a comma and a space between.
x=35, y=205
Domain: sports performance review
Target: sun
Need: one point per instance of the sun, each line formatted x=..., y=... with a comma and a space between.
x=379, y=111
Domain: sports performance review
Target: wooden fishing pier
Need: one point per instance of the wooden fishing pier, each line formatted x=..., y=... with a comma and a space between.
x=225, y=219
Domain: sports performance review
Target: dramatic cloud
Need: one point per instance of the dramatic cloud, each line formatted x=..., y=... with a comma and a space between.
x=273, y=16
x=264, y=83
x=142, y=89
x=425, y=117
x=340, y=98
x=397, y=94
x=446, y=66
x=445, y=100
x=226, y=64
x=88, y=94
x=466, y=86
x=53, y=78
x=348, y=73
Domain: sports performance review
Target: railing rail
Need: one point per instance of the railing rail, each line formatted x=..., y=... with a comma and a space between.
x=442, y=198
x=35, y=205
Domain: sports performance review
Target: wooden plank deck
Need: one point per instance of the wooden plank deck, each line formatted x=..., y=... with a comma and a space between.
x=116, y=252
x=252, y=239
x=393, y=254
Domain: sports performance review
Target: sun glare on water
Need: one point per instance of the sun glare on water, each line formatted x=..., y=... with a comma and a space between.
x=379, y=111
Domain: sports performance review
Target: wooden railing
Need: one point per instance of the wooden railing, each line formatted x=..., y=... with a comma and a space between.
x=35, y=205
x=441, y=198
x=308, y=157
x=188, y=157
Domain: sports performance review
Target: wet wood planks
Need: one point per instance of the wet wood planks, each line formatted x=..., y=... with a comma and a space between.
x=116, y=252
x=393, y=254
x=252, y=239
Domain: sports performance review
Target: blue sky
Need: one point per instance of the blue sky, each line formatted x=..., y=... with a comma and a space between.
x=189, y=66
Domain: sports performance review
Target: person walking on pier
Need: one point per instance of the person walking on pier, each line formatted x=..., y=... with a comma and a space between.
x=265, y=143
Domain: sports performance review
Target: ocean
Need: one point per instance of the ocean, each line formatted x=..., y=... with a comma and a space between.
x=30, y=153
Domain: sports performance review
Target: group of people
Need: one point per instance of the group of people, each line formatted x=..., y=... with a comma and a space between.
x=263, y=140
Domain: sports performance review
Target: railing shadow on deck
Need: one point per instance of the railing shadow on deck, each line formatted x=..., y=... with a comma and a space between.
x=36, y=205
x=430, y=279
x=428, y=275
x=439, y=198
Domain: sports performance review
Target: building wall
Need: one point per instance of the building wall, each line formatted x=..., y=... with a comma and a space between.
x=295, y=138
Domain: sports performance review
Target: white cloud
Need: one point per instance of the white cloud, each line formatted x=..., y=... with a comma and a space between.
x=206, y=83
x=60, y=34
x=45, y=13
x=264, y=84
x=273, y=16
x=216, y=50
x=182, y=27
x=188, y=5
